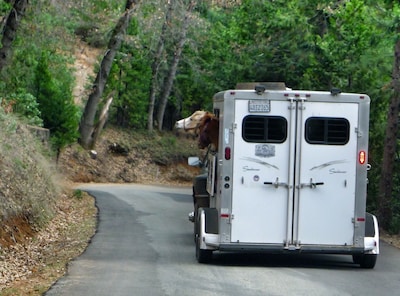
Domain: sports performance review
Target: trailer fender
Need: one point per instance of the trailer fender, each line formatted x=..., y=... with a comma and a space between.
x=371, y=239
x=208, y=228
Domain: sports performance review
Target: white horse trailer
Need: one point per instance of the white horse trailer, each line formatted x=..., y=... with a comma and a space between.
x=290, y=175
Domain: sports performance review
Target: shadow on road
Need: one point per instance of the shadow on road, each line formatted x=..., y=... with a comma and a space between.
x=283, y=260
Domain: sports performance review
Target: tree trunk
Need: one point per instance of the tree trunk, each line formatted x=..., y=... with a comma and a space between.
x=389, y=153
x=174, y=66
x=87, y=124
x=102, y=119
x=155, y=66
x=10, y=30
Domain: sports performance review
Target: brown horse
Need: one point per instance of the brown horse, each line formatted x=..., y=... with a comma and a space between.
x=208, y=130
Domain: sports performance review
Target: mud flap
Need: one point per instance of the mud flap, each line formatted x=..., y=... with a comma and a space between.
x=206, y=233
x=371, y=243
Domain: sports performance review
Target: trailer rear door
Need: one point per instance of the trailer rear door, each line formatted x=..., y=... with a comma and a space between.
x=262, y=147
x=326, y=161
x=294, y=167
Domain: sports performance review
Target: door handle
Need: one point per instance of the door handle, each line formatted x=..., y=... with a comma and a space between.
x=277, y=184
x=312, y=184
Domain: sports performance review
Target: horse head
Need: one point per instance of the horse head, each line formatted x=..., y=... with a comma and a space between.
x=208, y=130
x=191, y=123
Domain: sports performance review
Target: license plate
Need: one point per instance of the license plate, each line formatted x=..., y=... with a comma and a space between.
x=259, y=106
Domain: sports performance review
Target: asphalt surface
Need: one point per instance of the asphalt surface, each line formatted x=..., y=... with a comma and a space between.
x=144, y=246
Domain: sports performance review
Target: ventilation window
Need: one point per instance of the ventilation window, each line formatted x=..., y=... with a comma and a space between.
x=264, y=129
x=327, y=131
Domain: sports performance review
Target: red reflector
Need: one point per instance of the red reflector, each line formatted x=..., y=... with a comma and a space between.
x=360, y=219
x=362, y=97
x=362, y=157
x=227, y=153
x=224, y=215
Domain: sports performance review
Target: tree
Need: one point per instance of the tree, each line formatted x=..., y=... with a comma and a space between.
x=10, y=30
x=156, y=65
x=87, y=127
x=130, y=78
x=56, y=105
x=174, y=65
x=390, y=147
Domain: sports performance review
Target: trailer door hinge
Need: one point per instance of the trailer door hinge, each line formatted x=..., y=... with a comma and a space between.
x=358, y=132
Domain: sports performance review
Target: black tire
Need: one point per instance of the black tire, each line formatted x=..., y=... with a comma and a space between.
x=196, y=223
x=202, y=256
x=357, y=259
x=367, y=261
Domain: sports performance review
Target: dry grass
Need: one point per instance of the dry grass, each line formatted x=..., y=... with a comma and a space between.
x=27, y=185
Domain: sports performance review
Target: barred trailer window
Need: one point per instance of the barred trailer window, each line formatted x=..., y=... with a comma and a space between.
x=327, y=131
x=264, y=129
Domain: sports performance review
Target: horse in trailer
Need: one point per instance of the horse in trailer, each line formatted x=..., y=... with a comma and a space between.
x=208, y=130
x=206, y=126
x=203, y=124
x=191, y=123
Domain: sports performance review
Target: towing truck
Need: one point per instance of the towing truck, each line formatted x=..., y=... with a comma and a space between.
x=290, y=175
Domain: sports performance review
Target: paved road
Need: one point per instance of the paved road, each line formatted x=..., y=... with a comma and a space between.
x=144, y=246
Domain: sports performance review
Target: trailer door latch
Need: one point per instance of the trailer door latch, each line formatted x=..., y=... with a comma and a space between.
x=312, y=184
x=277, y=184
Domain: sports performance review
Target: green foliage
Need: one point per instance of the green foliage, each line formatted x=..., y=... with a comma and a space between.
x=394, y=227
x=91, y=35
x=101, y=7
x=130, y=78
x=92, y=20
x=4, y=8
x=59, y=113
x=27, y=107
x=164, y=149
x=78, y=194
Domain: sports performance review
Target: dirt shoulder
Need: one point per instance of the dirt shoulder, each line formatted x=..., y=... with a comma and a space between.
x=393, y=240
x=32, y=266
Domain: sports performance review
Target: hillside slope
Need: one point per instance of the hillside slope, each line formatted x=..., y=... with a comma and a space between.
x=124, y=156
x=27, y=182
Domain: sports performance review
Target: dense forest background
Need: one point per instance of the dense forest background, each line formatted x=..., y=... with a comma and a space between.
x=164, y=59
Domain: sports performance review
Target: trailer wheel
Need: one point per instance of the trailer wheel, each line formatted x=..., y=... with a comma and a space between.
x=194, y=232
x=357, y=259
x=365, y=260
x=202, y=256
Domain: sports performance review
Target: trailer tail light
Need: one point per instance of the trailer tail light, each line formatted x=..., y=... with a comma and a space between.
x=227, y=153
x=362, y=157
